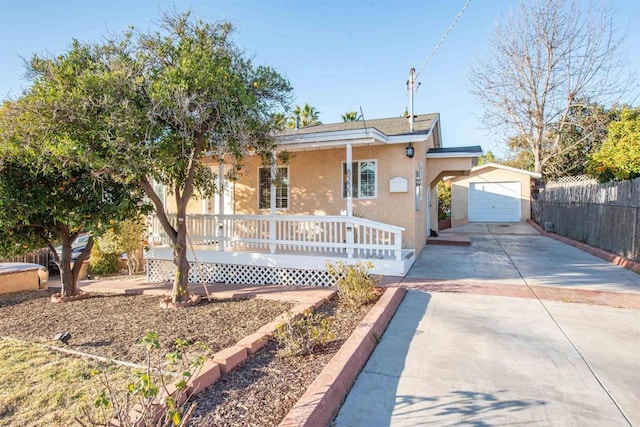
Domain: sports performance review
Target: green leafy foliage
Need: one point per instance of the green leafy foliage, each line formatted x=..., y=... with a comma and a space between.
x=351, y=116
x=147, y=391
x=444, y=200
x=356, y=286
x=302, y=336
x=306, y=115
x=619, y=156
x=145, y=108
x=103, y=263
x=42, y=203
x=125, y=237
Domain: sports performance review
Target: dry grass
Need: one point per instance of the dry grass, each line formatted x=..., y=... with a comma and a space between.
x=41, y=387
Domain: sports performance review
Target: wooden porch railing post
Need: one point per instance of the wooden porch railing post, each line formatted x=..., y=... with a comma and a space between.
x=220, y=231
x=349, y=226
x=397, y=242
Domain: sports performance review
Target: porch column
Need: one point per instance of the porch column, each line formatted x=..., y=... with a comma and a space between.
x=220, y=204
x=272, y=223
x=349, y=190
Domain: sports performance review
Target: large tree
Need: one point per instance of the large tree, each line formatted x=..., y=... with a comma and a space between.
x=619, y=156
x=548, y=57
x=155, y=105
x=43, y=203
x=303, y=116
x=351, y=116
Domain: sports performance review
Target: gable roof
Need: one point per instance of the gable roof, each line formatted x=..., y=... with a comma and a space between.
x=378, y=131
x=507, y=168
x=390, y=126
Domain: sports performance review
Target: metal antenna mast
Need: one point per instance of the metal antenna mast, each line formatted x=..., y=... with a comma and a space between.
x=412, y=86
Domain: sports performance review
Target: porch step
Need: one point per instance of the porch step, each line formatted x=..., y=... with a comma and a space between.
x=450, y=240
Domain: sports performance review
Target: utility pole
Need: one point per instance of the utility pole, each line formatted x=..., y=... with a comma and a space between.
x=412, y=86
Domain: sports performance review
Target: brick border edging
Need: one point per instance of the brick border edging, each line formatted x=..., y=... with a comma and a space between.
x=322, y=400
x=601, y=253
x=225, y=360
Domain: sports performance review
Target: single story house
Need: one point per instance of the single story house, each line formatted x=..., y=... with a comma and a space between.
x=491, y=193
x=363, y=190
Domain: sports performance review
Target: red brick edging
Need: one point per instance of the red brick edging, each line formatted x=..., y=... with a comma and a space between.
x=608, y=256
x=322, y=400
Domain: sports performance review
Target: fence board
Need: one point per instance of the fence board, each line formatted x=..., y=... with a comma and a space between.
x=36, y=257
x=606, y=216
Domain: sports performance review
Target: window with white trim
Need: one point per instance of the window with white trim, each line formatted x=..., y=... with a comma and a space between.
x=364, y=180
x=282, y=188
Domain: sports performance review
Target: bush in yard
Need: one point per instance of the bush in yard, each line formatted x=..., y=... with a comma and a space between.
x=356, y=285
x=300, y=337
x=103, y=264
x=125, y=237
x=146, y=400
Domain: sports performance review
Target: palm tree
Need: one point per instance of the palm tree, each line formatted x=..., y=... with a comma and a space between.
x=279, y=120
x=351, y=116
x=307, y=116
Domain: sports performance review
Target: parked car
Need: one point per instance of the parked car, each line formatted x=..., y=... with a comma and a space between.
x=76, y=249
x=22, y=276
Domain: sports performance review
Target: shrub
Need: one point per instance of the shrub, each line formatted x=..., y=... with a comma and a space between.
x=301, y=337
x=356, y=286
x=103, y=264
x=146, y=396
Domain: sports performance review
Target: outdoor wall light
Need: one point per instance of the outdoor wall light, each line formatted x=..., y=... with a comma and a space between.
x=409, y=150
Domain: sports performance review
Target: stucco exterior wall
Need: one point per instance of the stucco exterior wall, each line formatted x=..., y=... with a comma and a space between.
x=315, y=181
x=437, y=169
x=460, y=192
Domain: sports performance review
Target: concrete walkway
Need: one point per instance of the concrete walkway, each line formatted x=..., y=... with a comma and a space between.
x=459, y=358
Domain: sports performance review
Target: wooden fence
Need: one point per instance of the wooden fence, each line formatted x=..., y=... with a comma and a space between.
x=40, y=256
x=606, y=216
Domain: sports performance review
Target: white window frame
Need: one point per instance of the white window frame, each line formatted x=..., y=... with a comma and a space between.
x=268, y=201
x=375, y=177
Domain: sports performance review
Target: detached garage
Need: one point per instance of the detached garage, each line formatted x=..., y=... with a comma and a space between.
x=491, y=193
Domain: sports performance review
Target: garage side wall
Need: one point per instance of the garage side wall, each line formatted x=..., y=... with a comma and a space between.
x=460, y=192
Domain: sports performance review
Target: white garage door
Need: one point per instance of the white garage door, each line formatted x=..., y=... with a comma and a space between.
x=494, y=202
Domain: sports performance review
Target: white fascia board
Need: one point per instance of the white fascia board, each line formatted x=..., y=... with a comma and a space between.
x=318, y=145
x=507, y=168
x=404, y=139
x=343, y=135
x=341, y=138
x=451, y=155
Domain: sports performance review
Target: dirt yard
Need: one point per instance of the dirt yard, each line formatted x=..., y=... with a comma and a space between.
x=258, y=393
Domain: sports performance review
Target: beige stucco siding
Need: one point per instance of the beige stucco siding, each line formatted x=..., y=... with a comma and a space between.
x=315, y=179
x=460, y=192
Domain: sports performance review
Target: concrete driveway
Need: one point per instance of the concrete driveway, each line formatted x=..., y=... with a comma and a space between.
x=458, y=358
x=516, y=254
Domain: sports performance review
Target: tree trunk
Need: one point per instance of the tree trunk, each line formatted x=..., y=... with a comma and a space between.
x=67, y=279
x=180, y=291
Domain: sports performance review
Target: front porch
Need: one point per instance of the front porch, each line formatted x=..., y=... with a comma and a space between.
x=277, y=249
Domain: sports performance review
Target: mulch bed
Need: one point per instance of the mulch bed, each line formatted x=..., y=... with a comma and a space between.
x=110, y=325
x=260, y=392
x=264, y=388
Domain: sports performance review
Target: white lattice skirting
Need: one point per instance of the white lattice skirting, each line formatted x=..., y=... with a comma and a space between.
x=163, y=271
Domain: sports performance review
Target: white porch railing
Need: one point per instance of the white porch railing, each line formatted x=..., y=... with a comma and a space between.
x=354, y=237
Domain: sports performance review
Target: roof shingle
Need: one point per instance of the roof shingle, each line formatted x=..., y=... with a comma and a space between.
x=389, y=126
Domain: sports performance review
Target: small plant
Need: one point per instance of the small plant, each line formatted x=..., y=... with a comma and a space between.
x=101, y=263
x=356, y=286
x=146, y=401
x=301, y=337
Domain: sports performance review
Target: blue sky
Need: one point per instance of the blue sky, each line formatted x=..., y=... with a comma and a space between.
x=338, y=55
